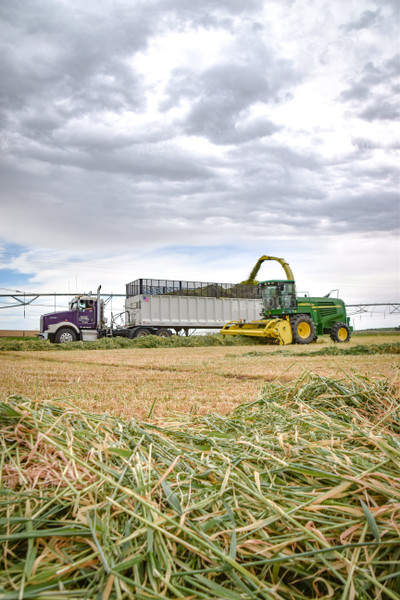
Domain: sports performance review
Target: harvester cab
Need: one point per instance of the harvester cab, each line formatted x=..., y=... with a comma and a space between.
x=289, y=319
x=278, y=296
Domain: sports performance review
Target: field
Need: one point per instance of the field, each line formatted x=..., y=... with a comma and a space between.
x=216, y=472
x=130, y=382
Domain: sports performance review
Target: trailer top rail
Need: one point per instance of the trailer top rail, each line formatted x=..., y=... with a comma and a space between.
x=166, y=287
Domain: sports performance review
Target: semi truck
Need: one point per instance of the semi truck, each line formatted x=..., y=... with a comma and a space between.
x=154, y=306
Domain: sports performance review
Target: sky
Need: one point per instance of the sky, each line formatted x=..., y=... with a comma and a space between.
x=183, y=140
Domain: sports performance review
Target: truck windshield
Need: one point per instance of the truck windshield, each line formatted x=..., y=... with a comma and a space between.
x=77, y=304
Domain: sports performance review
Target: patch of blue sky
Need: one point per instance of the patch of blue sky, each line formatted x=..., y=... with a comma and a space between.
x=10, y=251
x=13, y=278
x=14, y=281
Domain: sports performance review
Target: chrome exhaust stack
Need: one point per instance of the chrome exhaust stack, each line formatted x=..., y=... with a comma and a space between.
x=98, y=308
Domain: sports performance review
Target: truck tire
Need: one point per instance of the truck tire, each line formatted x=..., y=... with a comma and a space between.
x=303, y=329
x=340, y=333
x=65, y=335
x=142, y=332
x=163, y=333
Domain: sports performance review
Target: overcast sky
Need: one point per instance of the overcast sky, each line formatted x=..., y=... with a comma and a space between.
x=182, y=140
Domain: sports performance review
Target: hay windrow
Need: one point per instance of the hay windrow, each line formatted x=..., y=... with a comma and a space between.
x=108, y=343
x=200, y=341
x=295, y=495
x=357, y=350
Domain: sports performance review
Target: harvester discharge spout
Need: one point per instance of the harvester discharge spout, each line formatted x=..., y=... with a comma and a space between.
x=252, y=277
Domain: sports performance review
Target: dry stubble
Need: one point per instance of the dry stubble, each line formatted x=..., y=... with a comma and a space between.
x=213, y=379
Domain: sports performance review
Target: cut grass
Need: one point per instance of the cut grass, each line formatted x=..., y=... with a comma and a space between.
x=295, y=495
x=359, y=350
x=126, y=382
x=194, y=341
x=150, y=341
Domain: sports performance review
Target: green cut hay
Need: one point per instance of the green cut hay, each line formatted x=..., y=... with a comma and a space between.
x=359, y=350
x=150, y=341
x=293, y=496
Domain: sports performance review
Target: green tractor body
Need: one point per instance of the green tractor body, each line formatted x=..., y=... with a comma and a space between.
x=328, y=315
x=289, y=318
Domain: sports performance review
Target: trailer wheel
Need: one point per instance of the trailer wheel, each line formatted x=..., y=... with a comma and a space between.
x=142, y=332
x=340, y=333
x=65, y=335
x=303, y=329
x=164, y=333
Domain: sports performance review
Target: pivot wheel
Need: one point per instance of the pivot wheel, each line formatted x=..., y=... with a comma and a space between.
x=303, y=329
x=340, y=333
x=163, y=333
x=65, y=335
x=142, y=332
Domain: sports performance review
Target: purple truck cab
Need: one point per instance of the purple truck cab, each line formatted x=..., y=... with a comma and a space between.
x=83, y=320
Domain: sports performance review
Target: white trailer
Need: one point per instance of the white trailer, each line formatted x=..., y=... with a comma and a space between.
x=150, y=313
x=158, y=306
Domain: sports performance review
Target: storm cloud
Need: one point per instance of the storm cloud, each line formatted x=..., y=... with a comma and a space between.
x=164, y=124
x=375, y=93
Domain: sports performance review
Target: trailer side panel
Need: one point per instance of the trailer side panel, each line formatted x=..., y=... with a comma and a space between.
x=189, y=311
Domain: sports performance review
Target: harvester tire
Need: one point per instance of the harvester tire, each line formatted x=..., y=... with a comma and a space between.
x=64, y=335
x=303, y=329
x=340, y=333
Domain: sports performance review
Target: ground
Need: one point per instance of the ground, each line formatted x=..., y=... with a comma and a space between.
x=135, y=382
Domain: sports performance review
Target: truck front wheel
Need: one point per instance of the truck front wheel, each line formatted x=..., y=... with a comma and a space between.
x=65, y=335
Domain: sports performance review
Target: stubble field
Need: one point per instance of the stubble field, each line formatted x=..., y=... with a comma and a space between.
x=289, y=490
x=136, y=382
